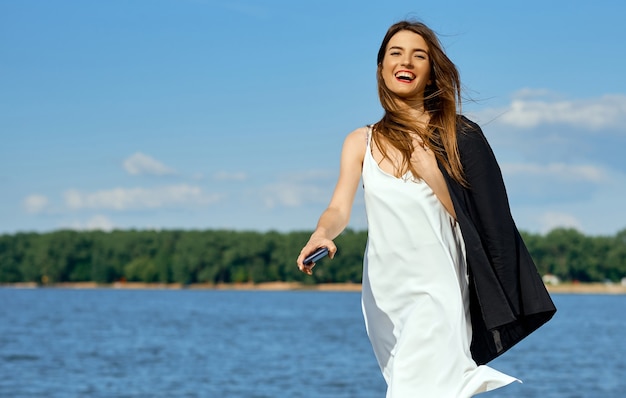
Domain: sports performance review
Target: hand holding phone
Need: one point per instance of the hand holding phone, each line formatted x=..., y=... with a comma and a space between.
x=316, y=255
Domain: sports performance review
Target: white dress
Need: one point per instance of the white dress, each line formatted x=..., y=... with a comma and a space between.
x=415, y=291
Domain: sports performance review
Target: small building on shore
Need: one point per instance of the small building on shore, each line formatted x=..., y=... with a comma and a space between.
x=550, y=279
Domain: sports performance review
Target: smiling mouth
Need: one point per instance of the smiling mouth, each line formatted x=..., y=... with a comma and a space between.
x=405, y=76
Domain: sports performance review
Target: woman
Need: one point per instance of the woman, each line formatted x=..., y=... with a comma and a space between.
x=447, y=282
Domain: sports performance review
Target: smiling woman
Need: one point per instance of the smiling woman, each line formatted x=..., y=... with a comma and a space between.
x=437, y=304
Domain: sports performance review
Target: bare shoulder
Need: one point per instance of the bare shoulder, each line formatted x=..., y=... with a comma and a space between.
x=356, y=142
x=359, y=133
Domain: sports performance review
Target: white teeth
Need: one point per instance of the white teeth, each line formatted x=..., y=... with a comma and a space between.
x=405, y=75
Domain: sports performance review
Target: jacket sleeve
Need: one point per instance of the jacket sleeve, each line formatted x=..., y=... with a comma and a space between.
x=489, y=208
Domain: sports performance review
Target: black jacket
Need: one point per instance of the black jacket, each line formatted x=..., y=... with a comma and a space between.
x=508, y=299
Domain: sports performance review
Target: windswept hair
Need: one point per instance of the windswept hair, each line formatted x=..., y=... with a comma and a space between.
x=442, y=100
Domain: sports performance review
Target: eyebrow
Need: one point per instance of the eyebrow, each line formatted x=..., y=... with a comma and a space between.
x=402, y=48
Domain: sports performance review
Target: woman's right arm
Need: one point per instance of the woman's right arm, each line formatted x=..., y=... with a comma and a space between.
x=336, y=216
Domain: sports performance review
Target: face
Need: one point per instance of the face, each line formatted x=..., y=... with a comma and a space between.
x=406, y=65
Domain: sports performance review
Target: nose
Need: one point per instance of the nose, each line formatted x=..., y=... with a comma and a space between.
x=407, y=60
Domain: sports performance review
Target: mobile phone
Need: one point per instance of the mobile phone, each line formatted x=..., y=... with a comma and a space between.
x=316, y=255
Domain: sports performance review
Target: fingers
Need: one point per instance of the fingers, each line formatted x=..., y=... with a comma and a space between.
x=311, y=247
x=307, y=269
x=424, y=158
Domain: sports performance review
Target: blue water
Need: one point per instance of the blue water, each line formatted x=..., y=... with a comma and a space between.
x=188, y=343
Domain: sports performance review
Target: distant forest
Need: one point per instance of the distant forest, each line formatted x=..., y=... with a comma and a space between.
x=224, y=256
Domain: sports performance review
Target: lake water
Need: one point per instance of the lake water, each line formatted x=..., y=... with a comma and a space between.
x=206, y=343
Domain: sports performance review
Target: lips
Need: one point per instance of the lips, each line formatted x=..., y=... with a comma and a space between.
x=405, y=76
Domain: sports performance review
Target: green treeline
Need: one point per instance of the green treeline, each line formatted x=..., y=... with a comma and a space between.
x=223, y=256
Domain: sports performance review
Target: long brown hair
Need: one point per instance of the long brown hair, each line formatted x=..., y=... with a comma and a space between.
x=442, y=99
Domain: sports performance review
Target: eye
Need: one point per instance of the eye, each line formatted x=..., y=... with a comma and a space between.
x=394, y=53
x=420, y=56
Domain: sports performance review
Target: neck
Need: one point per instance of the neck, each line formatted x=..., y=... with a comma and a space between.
x=416, y=111
x=414, y=107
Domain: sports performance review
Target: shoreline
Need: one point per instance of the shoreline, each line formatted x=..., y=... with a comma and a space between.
x=564, y=288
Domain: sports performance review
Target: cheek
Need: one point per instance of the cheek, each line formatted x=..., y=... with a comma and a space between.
x=385, y=80
x=387, y=76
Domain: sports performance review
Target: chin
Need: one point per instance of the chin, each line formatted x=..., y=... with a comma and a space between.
x=407, y=96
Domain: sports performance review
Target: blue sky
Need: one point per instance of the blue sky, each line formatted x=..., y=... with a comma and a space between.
x=197, y=114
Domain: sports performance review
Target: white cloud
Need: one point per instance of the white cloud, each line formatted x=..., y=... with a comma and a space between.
x=139, y=198
x=540, y=205
x=97, y=222
x=139, y=164
x=287, y=194
x=532, y=108
x=552, y=220
x=298, y=189
x=35, y=203
x=324, y=176
x=230, y=176
x=561, y=171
